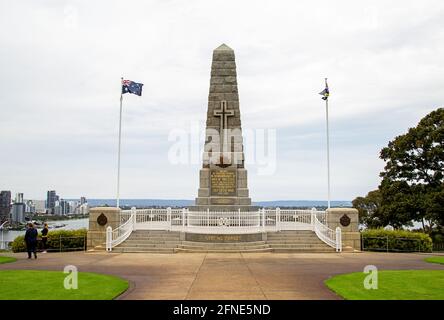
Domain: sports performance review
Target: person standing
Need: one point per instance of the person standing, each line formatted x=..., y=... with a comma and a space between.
x=31, y=240
x=44, y=236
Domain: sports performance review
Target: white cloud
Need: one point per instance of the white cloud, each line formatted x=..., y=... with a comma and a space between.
x=61, y=64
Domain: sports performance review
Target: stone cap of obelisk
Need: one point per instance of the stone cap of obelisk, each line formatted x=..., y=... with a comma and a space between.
x=223, y=87
x=223, y=46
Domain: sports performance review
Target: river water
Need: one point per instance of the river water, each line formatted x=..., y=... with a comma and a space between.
x=70, y=225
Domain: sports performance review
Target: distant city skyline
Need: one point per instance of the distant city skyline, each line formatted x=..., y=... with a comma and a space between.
x=170, y=198
x=15, y=209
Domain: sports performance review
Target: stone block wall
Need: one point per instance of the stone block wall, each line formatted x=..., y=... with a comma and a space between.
x=96, y=232
x=351, y=237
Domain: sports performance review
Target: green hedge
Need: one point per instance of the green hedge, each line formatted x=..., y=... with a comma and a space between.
x=58, y=240
x=396, y=241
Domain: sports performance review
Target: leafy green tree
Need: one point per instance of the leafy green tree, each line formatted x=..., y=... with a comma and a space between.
x=413, y=177
x=369, y=209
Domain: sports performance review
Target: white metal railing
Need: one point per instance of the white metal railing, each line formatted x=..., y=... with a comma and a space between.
x=121, y=233
x=125, y=215
x=4, y=244
x=331, y=237
x=223, y=222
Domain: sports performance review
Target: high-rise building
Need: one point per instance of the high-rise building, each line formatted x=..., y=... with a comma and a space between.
x=57, y=210
x=39, y=206
x=73, y=205
x=30, y=207
x=82, y=200
x=18, y=209
x=83, y=209
x=64, y=207
x=51, y=198
x=19, y=198
x=5, y=205
x=18, y=212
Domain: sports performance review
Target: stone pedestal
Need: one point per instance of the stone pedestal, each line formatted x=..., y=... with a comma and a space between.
x=97, y=232
x=348, y=220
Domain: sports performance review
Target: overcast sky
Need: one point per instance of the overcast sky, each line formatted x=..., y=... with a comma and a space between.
x=61, y=63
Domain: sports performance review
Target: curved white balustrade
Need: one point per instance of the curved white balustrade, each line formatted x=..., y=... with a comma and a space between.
x=223, y=222
x=329, y=236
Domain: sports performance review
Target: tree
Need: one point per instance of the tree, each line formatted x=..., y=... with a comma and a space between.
x=413, y=177
x=369, y=209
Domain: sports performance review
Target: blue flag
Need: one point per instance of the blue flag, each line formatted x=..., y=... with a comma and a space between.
x=129, y=86
x=326, y=92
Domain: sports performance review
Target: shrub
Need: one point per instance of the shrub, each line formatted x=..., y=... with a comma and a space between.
x=58, y=240
x=396, y=240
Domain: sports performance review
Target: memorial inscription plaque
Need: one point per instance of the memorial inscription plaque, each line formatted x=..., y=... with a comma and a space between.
x=223, y=183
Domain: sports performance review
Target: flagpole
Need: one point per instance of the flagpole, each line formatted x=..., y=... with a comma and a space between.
x=118, y=154
x=328, y=147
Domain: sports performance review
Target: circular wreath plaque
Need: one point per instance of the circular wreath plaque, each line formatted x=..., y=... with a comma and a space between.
x=102, y=219
x=344, y=220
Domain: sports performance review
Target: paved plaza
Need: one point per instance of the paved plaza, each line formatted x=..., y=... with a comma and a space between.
x=224, y=275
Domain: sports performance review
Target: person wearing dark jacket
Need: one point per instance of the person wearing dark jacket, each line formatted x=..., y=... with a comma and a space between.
x=31, y=240
x=44, y=236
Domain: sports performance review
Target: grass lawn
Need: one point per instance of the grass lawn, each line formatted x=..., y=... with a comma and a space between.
x=437, y=259
x=49, y=285
x=392, y=285
x=7, y=259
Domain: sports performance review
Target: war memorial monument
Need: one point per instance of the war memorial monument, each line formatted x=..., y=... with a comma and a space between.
x=223, y=178
x=223, y=218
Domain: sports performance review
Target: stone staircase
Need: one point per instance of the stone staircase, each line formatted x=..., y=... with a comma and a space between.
x=159, y=241
x=152, y=241
x=296, y=241
x=227, y=247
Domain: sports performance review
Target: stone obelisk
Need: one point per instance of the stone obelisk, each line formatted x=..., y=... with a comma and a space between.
x=223, y=177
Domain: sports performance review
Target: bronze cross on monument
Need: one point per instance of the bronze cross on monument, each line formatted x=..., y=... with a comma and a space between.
x=223, y=113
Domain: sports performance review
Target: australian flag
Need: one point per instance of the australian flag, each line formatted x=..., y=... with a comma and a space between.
x=129, y=86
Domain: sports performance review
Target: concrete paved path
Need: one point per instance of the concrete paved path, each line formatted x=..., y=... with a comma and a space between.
x=224, y=276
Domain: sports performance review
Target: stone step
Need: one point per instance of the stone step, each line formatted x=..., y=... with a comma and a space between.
x=160, y=234
x=302, y=250
x=222, y=251
x=284, y=235
x=161, y=241
x=155, y=232
x=314, y=241
x=295, y=240
x=292, y=237
x=155, y=236
x=298, y=246
x=150, y=241
x=238, y=248
x=143, y=235
x=143, y=249
x=199, y=243
x=147, y=245
x=292, y=232
x=100, y=248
